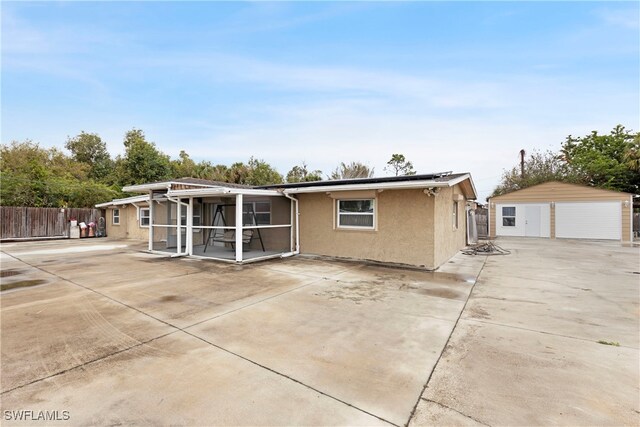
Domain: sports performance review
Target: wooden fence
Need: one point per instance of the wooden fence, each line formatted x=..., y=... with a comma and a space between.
x=482, y=223
x=32, y=223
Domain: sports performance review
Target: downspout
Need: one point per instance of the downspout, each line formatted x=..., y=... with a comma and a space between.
x=297, y=217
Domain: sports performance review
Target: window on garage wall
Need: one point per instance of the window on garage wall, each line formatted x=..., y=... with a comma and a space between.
x=116, y=217
x=508, y=216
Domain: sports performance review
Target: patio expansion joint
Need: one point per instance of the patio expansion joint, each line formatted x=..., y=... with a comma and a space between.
x=456, y=411
x=455, y=325
x=88, y=362
x=281, y=374
x=542, y=332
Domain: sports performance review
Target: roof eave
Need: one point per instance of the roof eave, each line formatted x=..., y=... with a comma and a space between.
x=141, y=188
x=222, y=191
x=374, y=186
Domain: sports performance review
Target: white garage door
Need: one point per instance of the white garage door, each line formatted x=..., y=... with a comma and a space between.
x=589, y=220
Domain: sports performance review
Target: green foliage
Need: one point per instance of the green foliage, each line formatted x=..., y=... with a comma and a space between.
x=142, y=162
x=255, y=172
x=183, y=167
x=399, y=165
x=606, y=161
x=34, y=176
x=352, y=170
x=88, y=148
x=261, y=173
x=302, y=174
x=539, y=167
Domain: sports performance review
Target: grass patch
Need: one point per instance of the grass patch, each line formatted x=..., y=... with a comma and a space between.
x=613, y=343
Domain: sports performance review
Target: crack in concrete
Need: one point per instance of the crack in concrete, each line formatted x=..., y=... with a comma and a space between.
x=413, y=411
x=178, y=329
x=456, y=411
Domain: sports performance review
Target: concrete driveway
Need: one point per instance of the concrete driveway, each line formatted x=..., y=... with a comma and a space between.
x=117, y=336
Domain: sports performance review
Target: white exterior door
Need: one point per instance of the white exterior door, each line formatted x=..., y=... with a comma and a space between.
x=532, y=214
x=589, y=220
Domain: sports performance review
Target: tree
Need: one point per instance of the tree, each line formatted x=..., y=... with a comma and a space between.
x=399, y=165
x=302, y=174
x=183, y=167
x=142, y=161
x=41, y=177
x=606, y=161
x=89, y=148
x=206, y=170
x=262, y=173
x=539, y=167
x=351, y=170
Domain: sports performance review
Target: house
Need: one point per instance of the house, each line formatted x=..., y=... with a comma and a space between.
x=418, y=220
x=127, y=218
x=561, y=210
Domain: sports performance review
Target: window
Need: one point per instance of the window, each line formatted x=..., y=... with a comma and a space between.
x=509, y=216
x=116, y=217
x=356, y=213
x=455, y=215
x=262, y=212
x=144, y=217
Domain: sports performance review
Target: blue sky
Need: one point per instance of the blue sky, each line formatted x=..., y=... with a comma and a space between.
x=459, y=86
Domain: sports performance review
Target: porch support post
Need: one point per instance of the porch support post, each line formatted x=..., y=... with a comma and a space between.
x=239, y=209
x=178, y=227
x=190, y=227
x=151, y=220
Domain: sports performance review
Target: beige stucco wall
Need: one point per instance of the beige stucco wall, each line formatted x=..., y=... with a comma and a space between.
x=448, y=239
x=405, y=224
x=563, y=192
x=129, y=227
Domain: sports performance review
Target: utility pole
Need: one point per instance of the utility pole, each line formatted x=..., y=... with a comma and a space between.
x=522, y=153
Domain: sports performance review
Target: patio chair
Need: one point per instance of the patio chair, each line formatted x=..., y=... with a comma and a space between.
x=229, y=236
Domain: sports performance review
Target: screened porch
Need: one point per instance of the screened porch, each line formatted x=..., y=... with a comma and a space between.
x=207, y=223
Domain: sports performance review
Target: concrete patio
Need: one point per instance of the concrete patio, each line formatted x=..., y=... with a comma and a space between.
x=114, y=335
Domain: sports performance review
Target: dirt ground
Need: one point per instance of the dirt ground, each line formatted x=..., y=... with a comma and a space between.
x=97, y=331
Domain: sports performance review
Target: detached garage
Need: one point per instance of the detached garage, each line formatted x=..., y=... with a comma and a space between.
x=557, y=209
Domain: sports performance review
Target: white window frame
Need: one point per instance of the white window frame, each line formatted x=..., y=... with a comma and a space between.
x=455, y=208
x=253, y=206
x=114, y=216
x=374, y=214
x=147, y=216
x=503, y=216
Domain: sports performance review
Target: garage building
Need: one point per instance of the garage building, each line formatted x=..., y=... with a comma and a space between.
x=560, y=210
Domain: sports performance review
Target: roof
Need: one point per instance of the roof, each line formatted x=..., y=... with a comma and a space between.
x=126, y=201
x=444, y=176
x=203, y=187
x=424, y=181
x=190, y=182
x=550, y=187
